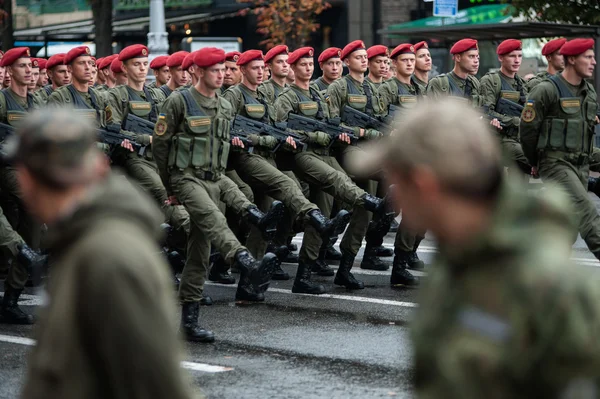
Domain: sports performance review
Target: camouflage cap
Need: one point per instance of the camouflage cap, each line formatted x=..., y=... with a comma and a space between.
x=57, y=146
x=447, y=136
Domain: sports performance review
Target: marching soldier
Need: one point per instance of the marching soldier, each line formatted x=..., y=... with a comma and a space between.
x=556, y=62
x=43, y=78
x=377, y=64
x=233, y=75
x=331, y=65
x=276, y=59
x=557, y=133
x=160, y=70
x=507, y=85
x=422, y=66
x=191, y=146
x=116, y=68
x=32, y=87
x=59, y=75
x=320, y=170
x=178, y=77
x=188, y=66
x=104, y=69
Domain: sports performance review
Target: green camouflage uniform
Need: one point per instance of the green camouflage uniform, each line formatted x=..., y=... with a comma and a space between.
x=271, y=90
x=449, y=84
x=537, y=79
x=557, y=133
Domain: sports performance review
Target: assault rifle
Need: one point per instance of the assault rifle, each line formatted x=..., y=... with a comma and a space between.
x=138, y=125
x=393, y=112
x=509, y=108
x=242, y=125
x=112, y=136
x=354, y=117
x=331, y=127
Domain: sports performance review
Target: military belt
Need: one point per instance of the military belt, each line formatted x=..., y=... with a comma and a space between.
x=577, y=159
x=200, y=174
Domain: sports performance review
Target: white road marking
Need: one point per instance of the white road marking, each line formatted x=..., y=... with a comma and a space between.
x=207, y=368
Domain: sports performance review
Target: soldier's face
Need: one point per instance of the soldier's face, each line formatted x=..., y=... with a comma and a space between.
x=121, y=79
x=136, y=69
x=43, y=79
x=178, y=76
x=212, y=78
x=7, y=79
x=423, y=62
x=81, y=69
x=378, y=66
x=233, y=74
x=511, y=62
x=20, y=71
x=2, y=73
x=332, y=69
x=162, y=75
x=35, y=75
x=60, y=75
x=584, y=64
x=254, y=72
x=405, y=65
x=556, y=60
x=279, y=66
x=303, y=69
x=357, y=61
x=93, y=77
x=468, y=61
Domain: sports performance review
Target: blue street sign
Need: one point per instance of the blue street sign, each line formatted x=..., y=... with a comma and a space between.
x=445, y=8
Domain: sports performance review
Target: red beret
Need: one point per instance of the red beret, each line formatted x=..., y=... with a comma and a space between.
x=106, y=61
x=232, y=56
x=420, y=45
x=376, y=50
x=404, y=48
x=331, y=52
x=35, y=63
x=352, y=47
x=14, y=54
x=209, y=56
x=56, y=59
x=176, y=59
x=553, y=45
x=507, y=46
x=275, y=51
x=98, y=61
x=94, y=60
x=577, y=46
x=188, y=61
x=116, y=66
x=248, y=56
x=43, y=63
x=159, y=62
x=76, y=52
x=464, y=45
x=302, y=52
x=133, y=51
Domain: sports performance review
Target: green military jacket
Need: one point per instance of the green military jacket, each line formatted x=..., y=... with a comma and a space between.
x=559, y=126
x=272, y=90
x=376, y=84
x=416, y=81
x=13, y=108
x=506, y=315
x=394, y=92
x=152, y=85
x=451, y=85
x=539, y=77
x=188, y=143
x=43, y=94
x=110, y=288
x=495, y=85
x=319, y=84
x=92, y=105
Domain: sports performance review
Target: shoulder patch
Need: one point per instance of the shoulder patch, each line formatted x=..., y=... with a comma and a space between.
x=161, y=125
x=528, y=112
x=108, y=112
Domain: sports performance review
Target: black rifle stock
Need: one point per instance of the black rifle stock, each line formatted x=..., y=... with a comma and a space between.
x=354, y=117
x=243, y=125
x=331, y=127
x=509, y=108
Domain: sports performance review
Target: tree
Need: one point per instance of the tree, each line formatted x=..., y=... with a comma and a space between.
x=6, y=22
x=289, y=22
x=582, y=12
x=102, y=16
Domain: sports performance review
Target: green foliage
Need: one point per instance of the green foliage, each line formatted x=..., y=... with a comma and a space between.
x=582, y=12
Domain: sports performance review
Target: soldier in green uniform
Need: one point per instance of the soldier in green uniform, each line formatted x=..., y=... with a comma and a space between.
x=104, y=69
x=32, y=86
x=276, y=59
x=117, y=69
x=259, y=169
x=178, y=77
x=378, y=64
x=233, y=75
x=556, y=62
x=423, y=65
x=320, y=169
x=59, y=75
x=503, y=262
x=557, y=133
x=191, y=145
x=331, y=65
x=109, y=286
x=160, y=70
x=188, y=66
x=43, y=78
x=359, y=93
x=508, y=85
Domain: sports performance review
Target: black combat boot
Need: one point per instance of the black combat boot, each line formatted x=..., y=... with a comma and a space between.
x=321, y=268
x=176, y=263
x=174, y=239
x=10, y=313
x=413, y=259
x=384, y=252
x=206, y=300
x=328, y=228
x=302, y=283
x=345, y=277
x=266, y=222
x=189, y=324
x=283, y=254
x=371, y=261
x=594, y=185
x=328, y=252
x=35, y=263
x=255, y=275
x=219, y=272
x=401, y=276
x=394, y=227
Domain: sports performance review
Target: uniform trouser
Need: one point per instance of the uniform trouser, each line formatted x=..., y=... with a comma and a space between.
x=268, y=182
x=513, y=153
x=236, y=224
x=406, y=238
x=145, y=174
x=595, y=160
x=207, y=225
x=17, y=224
x=574, y=181
x=324, y=173
x=9, y=247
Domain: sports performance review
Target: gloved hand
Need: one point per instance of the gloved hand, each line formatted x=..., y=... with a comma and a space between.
x=254, y=139
x=320, y=138
x=371, y=134
x=267, y=141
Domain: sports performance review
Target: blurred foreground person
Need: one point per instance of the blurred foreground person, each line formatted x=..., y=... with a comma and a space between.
x=502, y=314
x=106, y=332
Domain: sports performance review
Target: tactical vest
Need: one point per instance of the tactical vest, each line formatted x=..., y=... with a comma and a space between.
x=406, y=99
x=507, y=91
x=202, y=149
x=93, y=113
x=321, y=84
x=571, y=130
x=312, y=107
x=48, y=89
x=448, y=84
x=166, y=90
x=140, y=107
x=15, y=113
x=254, y=108
x=360, y=101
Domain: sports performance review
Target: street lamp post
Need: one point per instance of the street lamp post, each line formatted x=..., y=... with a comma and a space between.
x=158, y=42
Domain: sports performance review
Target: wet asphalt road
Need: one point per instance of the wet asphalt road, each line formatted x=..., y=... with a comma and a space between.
x=339, y=345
